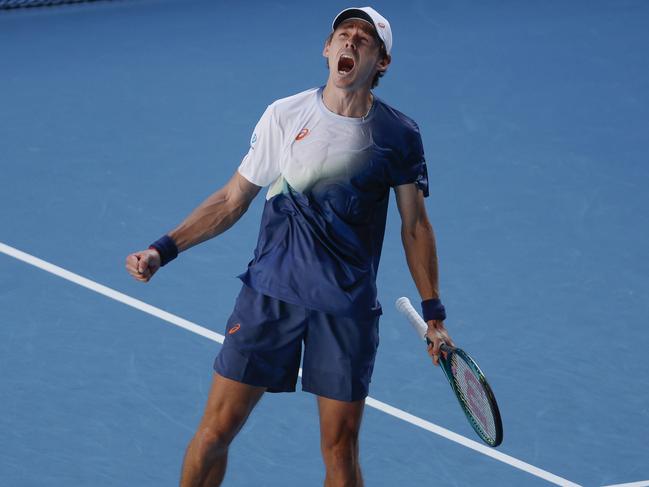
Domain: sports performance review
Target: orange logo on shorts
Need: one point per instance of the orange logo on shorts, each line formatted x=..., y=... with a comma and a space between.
x=234, y=329
x=303, y=133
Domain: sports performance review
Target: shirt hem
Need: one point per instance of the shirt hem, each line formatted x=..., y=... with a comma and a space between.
x=246, y=279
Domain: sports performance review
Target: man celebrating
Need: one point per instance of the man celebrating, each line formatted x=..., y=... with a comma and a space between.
x=329, y=156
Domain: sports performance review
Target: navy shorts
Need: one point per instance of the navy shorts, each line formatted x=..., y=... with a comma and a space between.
x=263, y=347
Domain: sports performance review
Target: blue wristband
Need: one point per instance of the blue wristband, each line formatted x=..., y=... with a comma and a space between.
x=433, y=309
x=167, y=249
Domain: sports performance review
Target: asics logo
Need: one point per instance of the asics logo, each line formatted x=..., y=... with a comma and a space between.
x=234, y=329
x=303, y=133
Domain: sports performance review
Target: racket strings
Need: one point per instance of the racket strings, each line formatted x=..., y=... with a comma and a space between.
x=473, y=396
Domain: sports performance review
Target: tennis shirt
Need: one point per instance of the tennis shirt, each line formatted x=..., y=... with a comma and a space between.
x=329, y=179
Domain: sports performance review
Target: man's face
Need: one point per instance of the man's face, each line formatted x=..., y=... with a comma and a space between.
x=353, y=55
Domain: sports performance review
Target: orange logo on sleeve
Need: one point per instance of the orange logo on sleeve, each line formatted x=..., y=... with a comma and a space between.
x=234, y=329
x=303, y=133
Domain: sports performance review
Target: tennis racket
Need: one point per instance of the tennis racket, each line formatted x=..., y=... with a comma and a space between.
x=467, y=381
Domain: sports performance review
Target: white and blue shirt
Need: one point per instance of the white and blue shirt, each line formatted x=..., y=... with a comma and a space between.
x=329, y=179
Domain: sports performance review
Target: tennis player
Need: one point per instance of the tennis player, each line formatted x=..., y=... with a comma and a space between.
x=329, y=157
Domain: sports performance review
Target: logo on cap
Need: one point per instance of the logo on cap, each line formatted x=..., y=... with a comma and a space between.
x=381, y=25
x=303, y=133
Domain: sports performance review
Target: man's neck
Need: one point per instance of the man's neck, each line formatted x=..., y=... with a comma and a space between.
x=347, y=103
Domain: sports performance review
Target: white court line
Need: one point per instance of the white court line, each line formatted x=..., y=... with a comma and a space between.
x=110, y=293
x=371, y=402
x=640, y=483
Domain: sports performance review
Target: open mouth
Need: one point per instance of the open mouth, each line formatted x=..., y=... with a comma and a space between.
x=345, y=64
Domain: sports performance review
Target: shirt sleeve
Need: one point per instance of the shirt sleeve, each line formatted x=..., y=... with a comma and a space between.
x=412, y=167
x=260, y=165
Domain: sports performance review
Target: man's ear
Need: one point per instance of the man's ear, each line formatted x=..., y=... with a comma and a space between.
x=383, y=63
x=325, y=49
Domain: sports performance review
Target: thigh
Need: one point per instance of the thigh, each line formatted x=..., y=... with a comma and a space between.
x=339, y=355
x=340, y=421
x=228, y=405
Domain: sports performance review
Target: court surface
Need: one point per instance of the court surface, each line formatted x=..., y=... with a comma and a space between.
x=117, y=118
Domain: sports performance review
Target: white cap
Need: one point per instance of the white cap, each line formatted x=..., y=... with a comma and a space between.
x=368, y=14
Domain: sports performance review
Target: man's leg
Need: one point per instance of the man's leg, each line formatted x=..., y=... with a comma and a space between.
x=228, y=405
x=340, y=423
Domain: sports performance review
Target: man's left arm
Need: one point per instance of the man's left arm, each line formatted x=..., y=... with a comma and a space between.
x=421, y=253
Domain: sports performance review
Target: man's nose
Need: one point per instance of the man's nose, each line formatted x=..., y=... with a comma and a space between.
x=352, y=42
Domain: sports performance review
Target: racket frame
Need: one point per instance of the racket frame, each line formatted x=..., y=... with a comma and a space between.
x=445, y=363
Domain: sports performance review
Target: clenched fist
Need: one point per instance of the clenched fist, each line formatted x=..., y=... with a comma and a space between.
x=142, y=265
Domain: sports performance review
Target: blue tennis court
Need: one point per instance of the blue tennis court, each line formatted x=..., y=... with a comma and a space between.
x=117, y=118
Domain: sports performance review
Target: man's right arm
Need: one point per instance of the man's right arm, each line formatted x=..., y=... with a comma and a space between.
x=216, y=214
x=212, y=217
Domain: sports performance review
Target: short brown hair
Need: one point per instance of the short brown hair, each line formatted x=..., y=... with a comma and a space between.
x=382, y=54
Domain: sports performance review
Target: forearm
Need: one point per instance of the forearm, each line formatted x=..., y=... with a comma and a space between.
x=212, y=217
x=421, y=255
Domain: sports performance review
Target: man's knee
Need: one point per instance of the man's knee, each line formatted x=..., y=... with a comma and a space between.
x=214, y=439
x=340, y=448
x=228, y=406
x=340, y=424
x=218, y=428
x=343, y=456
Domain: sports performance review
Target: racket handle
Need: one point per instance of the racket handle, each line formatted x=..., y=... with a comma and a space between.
x=421, y=328
x=403, y=304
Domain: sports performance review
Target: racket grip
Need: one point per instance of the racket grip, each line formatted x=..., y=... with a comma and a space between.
x=404, y=305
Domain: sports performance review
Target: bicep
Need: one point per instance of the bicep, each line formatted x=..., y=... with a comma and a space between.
x=240, y=191
x=410, y=202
